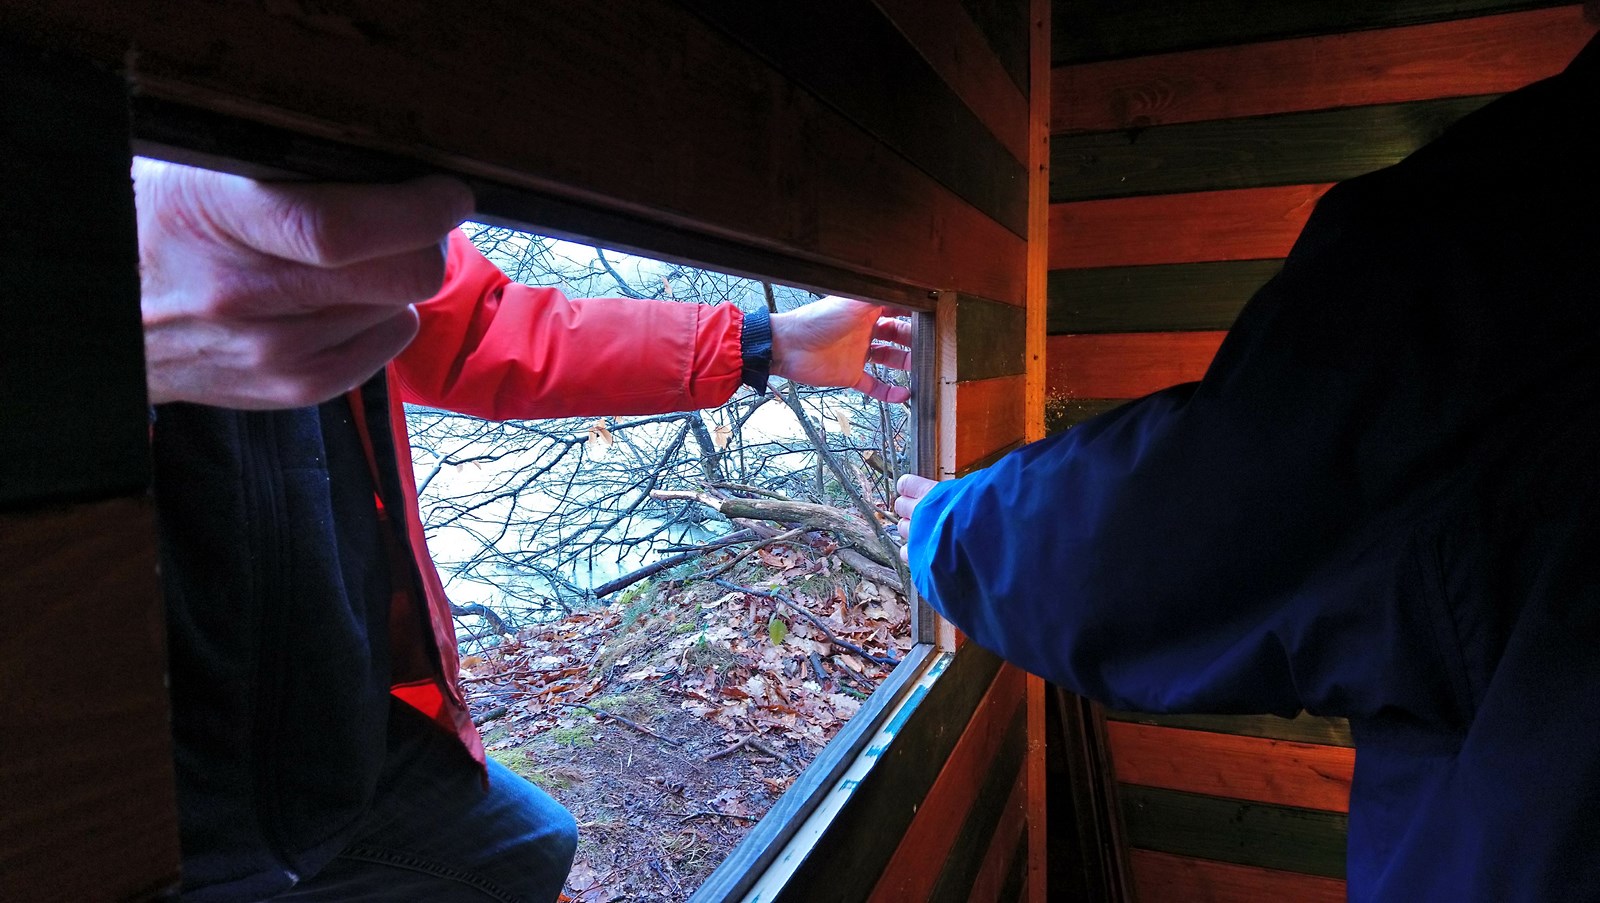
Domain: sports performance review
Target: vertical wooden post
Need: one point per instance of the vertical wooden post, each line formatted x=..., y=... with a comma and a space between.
x=86, y=792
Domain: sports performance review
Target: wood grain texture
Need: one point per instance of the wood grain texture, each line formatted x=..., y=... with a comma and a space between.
x=865, y=835
x=1290, y=149
x=1177, y=297
x=826, y=45
x=932, y=833
x=716, y=143
x=1304, y=728
x=991, y=339
x=978, y=825
x=1007, y=844
x=73, y=402
x=1249, y=768
x=1161, y=876
x=1127, y=365
x=1205, y=827
x=1485, y=55
x=1243, y=224
x=955, y=47
x=1090, y=30
x=989, y=417
x=87, y=810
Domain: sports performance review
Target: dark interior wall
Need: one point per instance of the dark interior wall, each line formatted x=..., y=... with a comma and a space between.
x=1190, y=142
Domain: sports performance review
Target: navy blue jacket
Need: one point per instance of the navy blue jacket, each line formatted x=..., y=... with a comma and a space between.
x=1382, y=502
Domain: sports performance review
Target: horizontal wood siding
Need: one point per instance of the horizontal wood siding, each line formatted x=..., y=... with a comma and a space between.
x=1192, y=141
x=1483, y=55
x=1247, y=768
x=1160, y=877
x=716, y=143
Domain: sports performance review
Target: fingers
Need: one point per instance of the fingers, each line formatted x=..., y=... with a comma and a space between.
x=888, y=329
x=911, y=488
x=331, y=225
x=889, y=356
x=873, y=387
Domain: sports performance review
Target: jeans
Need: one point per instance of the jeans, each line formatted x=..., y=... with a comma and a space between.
x=434, y=834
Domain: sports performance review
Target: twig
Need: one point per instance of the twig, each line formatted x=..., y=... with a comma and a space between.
x=816, y=665
x=751, y=741
x=723, y=568
x=713, y=812
x=490, y=715
x=832, y=637
x=606, y=589
x=853, y=674
x=602, y=713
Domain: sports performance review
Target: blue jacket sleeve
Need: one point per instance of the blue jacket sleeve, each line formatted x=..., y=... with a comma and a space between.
x=1255, y=542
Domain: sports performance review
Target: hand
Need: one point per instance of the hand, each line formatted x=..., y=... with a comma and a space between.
x=275, y=295
x=910, y=489
x=829, y=342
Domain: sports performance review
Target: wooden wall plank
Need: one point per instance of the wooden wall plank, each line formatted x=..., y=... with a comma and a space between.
x=1127, y=365
x=1205, y=827
x=1162, y=876
x=717, y=143
x=1005, y=27
x=1243, y=224
x=1038, y=246
x=826, y=45
x=1303, y=728
x=1090, y=30
x=991, y=339
x=1290, y=149
x=933, y=831
x=73, y=403
x=953, y=45
x=1062, y=412
x=1486, y=55
x=1176, y=297
x=980, y=823
x=1249, y=768
x=865, y=834
x=87, y=808
x=1008, y=845
x=989, y=417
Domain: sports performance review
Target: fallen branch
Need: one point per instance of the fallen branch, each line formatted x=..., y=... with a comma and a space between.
x=816, y=621
x=714, y=812
x=671, y=561
x=490, y=715
x=843, y=524
x=751, y=741
x=723, y=568
x=496, y=623
x=602, y=713
x=871, y=569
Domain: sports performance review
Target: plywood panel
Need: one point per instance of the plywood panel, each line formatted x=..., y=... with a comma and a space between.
x=1127, y=365
x=1250, y=768
x=989, y=417
x=1163, y=877
x=1244, y=224
x=1486, y=55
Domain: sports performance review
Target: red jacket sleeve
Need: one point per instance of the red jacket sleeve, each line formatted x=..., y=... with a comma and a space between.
x=494, y=348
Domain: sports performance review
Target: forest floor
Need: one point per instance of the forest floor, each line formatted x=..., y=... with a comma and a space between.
x=671, y=719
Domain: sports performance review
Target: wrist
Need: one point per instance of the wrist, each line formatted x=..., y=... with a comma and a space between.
x=756, y=349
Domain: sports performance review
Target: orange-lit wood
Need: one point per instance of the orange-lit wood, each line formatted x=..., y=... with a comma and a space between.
x=990, y=416
x=1486, y=55
x=1127, y=365
x=954, y=46
x=1242, y=224
x=914, y=869
x=1160, y=877
x=998, y=861
x=1251, y=768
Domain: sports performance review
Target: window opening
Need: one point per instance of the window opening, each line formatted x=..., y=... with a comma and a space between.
x=664, y=619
